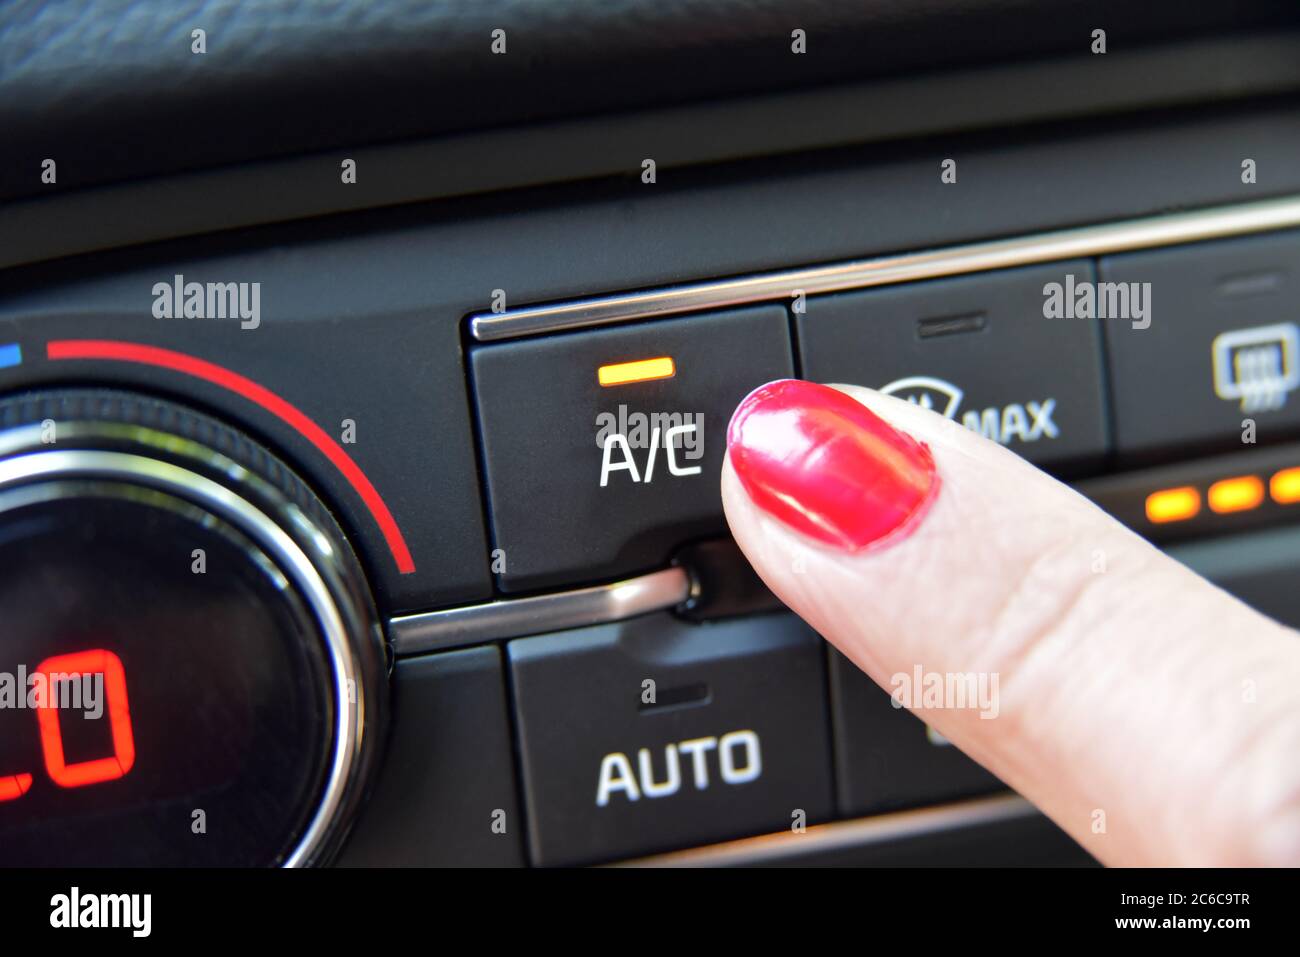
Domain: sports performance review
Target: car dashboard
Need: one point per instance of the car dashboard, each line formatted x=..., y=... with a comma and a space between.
x=365, y=371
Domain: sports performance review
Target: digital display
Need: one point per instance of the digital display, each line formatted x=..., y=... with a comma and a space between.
x=98, y=683
x=163, y=690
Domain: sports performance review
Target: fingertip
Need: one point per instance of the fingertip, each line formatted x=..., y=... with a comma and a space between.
x=828, y=467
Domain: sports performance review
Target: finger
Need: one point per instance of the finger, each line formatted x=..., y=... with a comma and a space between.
x=1155, y=718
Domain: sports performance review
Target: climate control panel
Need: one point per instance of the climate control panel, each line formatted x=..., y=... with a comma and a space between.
x=388, y=586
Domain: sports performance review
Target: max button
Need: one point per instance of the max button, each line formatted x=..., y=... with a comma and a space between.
x=1014, y=354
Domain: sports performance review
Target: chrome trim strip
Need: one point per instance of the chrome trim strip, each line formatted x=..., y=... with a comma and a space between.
x=1167, y=230
x=38, y=467
x=839, y=835
x=515, y=617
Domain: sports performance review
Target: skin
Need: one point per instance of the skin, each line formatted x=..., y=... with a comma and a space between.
x=1128, y=685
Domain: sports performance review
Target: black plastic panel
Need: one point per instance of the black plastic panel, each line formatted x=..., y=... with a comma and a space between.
x=446, y=796
x=93, y=82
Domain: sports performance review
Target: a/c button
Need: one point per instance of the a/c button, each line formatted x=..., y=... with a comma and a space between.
x=603, y=448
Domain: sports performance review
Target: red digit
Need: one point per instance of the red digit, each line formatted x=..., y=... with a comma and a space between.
x=14, y=786
x=71, y=667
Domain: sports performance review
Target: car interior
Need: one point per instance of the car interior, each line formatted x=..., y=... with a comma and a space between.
x=365, y=369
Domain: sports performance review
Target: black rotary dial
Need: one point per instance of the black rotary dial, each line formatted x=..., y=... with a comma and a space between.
x=191, y=668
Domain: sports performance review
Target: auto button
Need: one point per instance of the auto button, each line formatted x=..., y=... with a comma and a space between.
x=654, y=734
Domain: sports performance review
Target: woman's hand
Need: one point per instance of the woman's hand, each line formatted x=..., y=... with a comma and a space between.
x=1151, y=715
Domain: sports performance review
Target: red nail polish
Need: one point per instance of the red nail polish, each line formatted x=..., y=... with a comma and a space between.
x=828, y=466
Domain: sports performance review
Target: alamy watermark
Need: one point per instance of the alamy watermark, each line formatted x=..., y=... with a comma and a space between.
x=666, y=441
x=641, y=430
x=73, y=910
x=179, y=299
x=76, y=691
x=946, y=690
x=1083, y=299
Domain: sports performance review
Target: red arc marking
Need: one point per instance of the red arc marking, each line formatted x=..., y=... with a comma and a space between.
x=292, y=416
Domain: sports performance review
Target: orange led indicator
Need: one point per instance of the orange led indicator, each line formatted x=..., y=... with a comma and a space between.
x=1284, y=486
x=1238, y=494
x=1173, y=504
x=643, y=370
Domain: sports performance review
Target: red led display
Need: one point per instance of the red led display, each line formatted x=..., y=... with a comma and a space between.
x=82, y=773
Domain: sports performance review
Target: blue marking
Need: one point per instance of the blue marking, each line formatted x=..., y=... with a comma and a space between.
x=10, y=355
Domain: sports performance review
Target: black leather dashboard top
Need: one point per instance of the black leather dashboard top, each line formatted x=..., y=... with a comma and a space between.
x=113, y=90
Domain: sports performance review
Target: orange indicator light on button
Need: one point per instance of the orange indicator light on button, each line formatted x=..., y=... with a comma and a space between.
x=1238, y=494
x=1173, y=504
x=1284, y=486
x=643, y=370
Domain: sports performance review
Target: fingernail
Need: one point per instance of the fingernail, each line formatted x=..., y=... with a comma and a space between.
x=827, y=466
